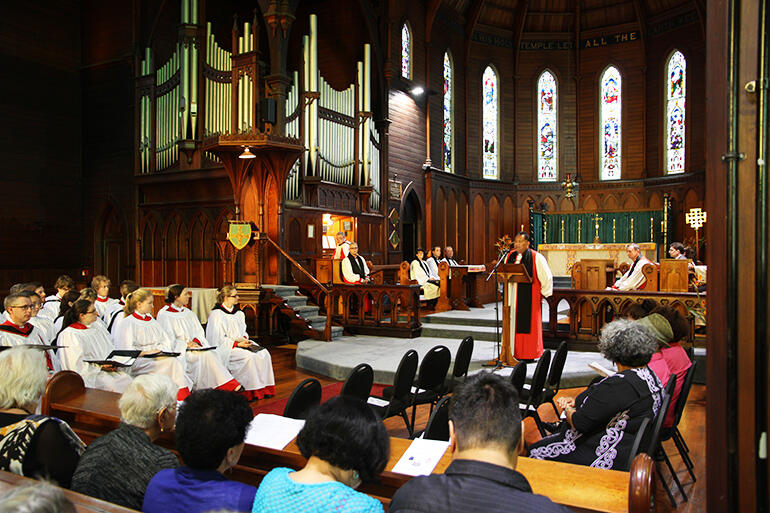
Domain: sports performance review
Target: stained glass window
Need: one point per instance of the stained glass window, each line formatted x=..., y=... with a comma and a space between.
x=675, y=100
x=448, y=107
x=489, y=122
x=610, y=119
x=406, y=52
x=547, y=115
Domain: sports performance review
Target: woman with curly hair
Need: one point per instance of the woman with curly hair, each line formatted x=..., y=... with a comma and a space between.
x=603, y=420
x=345, y=443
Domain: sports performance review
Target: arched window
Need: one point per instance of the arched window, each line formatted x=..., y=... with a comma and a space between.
x=489, y=122
x=610, y=124
x=548, y=134
x=406, y=51
x=675, y=108
x=448, y=147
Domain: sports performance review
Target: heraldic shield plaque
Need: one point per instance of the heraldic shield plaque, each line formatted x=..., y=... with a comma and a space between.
x=239, y=234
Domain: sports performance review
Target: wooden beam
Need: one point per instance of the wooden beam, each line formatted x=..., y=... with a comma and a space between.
x=604, y=7
x=557, y=13
x=700, y=8
x=430, y=15
x=641, y=18
x=518, y=29
x=472, y=18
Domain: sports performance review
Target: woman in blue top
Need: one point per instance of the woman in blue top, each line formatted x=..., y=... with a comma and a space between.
x=345, y=443
x=210, y=431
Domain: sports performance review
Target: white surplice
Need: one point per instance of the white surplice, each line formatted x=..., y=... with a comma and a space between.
x=418, y=272
x=91, y=342
x=633, y=279
x=46, y=327
x=12, y=335
x=252, y=370
x=204, y=368
x=144, y=333
x=50, y=308
x=104, y=305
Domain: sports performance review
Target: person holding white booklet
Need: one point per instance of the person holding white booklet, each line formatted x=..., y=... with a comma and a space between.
x=85, y=340
x=203, y=366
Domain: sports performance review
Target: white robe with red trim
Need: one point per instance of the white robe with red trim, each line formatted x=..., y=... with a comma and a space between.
x=348, y=275
x=204, y=368
x=633, y=280
x=342, y=251
x=91, y=342
x=144, y=333
x=103, y=305
x=50, y=308
x=252, y=370
x=529, y=346
x=28, y=334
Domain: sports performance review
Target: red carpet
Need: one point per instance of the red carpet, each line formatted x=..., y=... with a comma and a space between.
x=327, y=392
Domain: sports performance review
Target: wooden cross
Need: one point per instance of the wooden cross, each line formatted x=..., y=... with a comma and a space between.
x=596, y=219
x=695, y=218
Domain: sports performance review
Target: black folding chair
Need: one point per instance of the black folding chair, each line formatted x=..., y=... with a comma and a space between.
x=359, y=382
x=305, y=397
x=553, y=382
x=652, y=444
x=519, y=376
x=534, y=396
x=462, y=362
x=673, y=433
x=438, y=423
x=400, y=399
x=637, y=442
x=430, y=378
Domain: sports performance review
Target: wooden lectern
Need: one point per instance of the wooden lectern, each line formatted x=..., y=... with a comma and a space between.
x=509, y=273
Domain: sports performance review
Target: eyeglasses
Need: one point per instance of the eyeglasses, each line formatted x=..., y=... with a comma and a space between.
x=22, y=307
x=91, y=312
x=234, y=295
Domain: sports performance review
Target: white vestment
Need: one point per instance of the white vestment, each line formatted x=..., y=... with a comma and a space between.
x=102, y=305
x=252, y=370
x=433, y=266
x=633, y=279
x=50, y=308
x=204, y=368
x=347, y=270
x=91, y=343
x=45, y=325
x=419, y=272
x=12, y=335
x=342, y=251
x=144, y=333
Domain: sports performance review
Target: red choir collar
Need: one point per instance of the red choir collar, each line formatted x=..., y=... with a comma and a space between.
x=10, y=327
x=120, y=301
x=78, y=326
x=171, y=309
x=102, y=299
x=142, y=318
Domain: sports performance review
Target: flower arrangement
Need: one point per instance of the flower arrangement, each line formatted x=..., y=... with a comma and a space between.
x=504, y=244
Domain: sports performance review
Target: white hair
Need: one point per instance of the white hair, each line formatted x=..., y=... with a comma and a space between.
x=23, y=374
x=633, y=245
x=38, y=497
x=145, y=397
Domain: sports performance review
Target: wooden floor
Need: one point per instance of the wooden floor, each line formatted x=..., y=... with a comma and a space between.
x=692, y=426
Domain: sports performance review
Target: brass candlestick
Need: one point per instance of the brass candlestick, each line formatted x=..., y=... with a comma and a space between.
x=632, y=229
x=596, y=219
x=695, y=218
x=652, y=232
x=613, y=230
x=562, y=231
x=580, y=231
x=545, y=232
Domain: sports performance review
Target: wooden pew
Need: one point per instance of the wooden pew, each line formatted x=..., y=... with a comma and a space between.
x=83, y=503
x=593, y=273
x=92, y=413
x=442, y=303
x=674, y=275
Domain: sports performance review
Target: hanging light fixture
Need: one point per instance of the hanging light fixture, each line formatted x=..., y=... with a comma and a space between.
x=246, y=154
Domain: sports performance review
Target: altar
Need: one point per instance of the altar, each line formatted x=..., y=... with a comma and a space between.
x=561, y=256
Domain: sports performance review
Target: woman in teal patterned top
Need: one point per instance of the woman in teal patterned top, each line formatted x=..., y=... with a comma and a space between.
x=345, y=443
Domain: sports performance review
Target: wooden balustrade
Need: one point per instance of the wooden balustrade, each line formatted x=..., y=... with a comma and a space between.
x=390, y=310
x=589, y=310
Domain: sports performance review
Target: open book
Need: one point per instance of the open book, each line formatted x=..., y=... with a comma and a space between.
x=118, y=358
x=209, y=348
x=604, y=371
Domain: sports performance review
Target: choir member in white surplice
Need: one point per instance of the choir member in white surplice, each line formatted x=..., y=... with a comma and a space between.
x=44, y=324
x=204, y=368
x=139, y=331
x=101, y=284
x=52, y=303
x=420, y=272
x=67, y=300
x=90, y=295
x=634, y=278
x=114, y=313
x=226, y=329
x=16, y=330
x=85, y=340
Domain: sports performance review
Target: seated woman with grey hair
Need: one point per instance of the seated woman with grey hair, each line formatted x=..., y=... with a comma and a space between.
x=38, y=497
x=32, y=445
x=603, y=420
x=118, y=466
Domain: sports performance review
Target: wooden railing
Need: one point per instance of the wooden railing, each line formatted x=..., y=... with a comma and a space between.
x=589, y=310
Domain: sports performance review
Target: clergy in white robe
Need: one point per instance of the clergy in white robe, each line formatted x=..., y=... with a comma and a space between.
x=85, y=340
x=432, y=261
x=139, y=331
x=16, y=330
x=354, y=268
x=204, y=368
x=526, y=318
x=449, y=256
x=226, y=329
x=420, y=272
x=633, y=279
x=343, y=246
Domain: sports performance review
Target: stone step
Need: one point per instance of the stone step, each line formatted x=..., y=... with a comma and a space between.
x=458, y=332
x=336, y=332
x=283, y=290
x=458, y=321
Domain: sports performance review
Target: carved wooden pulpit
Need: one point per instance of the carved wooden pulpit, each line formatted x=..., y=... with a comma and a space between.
x=507, y=274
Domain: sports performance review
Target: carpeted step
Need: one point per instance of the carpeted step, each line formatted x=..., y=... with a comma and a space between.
x=295, y=301
x=282, y=290
x=458, y=331
x=306, y=311
x=444, y=319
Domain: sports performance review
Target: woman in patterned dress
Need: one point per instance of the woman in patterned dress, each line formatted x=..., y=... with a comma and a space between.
x=603, y=420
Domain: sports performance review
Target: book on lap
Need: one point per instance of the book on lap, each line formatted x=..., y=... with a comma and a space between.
x=209, y=348
x=117, y=362
x=161, y=354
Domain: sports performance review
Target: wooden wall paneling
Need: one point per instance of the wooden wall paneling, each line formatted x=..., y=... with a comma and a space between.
x=477, y=249
x=438, y=224
x=452, y=236
x=463, y=222
x=494, y=225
